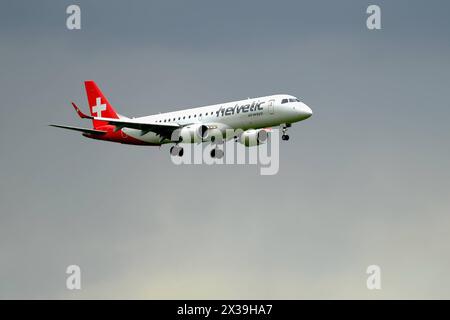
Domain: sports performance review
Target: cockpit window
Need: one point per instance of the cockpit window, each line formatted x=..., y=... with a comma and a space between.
x=290, y=100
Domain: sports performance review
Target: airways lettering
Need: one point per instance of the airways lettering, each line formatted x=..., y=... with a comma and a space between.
x=240, y=109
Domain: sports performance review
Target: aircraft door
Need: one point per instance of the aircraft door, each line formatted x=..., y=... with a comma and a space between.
x=271, y=107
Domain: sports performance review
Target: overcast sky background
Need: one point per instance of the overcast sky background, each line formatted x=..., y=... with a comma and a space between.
x=365, y=181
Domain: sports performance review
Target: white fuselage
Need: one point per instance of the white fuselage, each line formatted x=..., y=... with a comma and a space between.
x=255, y=113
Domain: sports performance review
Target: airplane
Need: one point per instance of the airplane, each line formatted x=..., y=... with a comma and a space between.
x=250, y=117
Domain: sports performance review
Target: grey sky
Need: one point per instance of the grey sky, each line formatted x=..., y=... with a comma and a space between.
x=365, y=181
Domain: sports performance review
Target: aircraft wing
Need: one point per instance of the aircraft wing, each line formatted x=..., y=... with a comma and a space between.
x=164, y=130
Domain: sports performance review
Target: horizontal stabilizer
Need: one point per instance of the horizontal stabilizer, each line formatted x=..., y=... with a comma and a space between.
x=84, y=130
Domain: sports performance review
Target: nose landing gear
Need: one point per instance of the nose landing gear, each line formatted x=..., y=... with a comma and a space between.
x=284, y=127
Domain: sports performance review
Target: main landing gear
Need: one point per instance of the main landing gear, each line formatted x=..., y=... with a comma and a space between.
x=176, y=151
x=285, y=136
x=216, y=153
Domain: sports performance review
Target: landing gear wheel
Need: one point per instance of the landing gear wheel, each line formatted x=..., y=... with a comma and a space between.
x=176, y=151
x=219, y=154
x=285, y=137
x=216, y=153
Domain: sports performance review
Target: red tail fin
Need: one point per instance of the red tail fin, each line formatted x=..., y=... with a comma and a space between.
x=98, y=104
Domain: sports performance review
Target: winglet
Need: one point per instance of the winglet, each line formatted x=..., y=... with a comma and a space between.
x=80, y=113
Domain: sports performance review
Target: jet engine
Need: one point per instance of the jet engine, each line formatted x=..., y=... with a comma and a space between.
x=253, y=137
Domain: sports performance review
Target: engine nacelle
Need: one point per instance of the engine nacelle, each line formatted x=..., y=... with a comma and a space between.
x=253, y=137
x=194, y=133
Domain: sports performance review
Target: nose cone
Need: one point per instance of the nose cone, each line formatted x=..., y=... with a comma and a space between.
x=305, y=111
